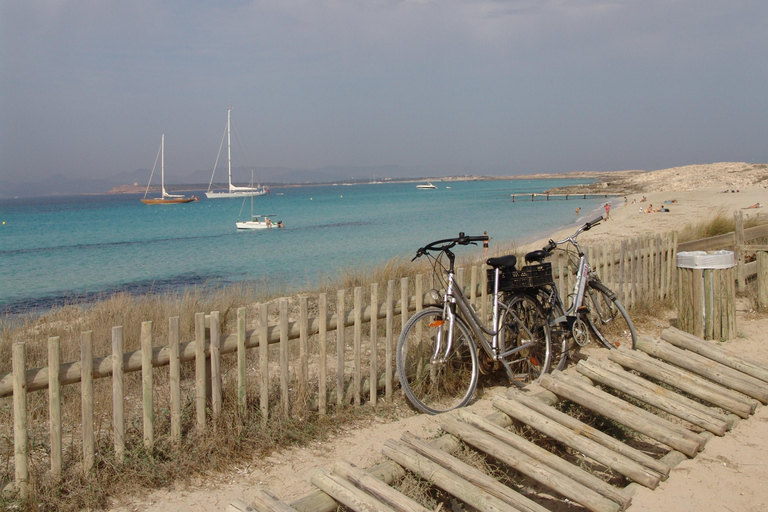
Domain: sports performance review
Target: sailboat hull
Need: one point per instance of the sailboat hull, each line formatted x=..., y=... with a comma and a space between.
x=168, y=201
x=237, y=193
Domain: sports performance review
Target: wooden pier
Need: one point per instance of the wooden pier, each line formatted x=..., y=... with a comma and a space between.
x=678, y=391
x=547, y=197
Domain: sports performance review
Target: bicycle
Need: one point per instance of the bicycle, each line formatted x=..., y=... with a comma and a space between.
x=437, y=356
x=594, y=307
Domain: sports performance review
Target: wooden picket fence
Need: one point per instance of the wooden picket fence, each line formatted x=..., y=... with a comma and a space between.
x=307, y=358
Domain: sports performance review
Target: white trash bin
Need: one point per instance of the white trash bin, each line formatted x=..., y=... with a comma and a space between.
x=707, y=294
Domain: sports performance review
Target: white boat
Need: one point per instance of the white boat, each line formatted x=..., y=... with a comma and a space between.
x=427, y=185
x=259, y=222
x=165, y=197
x=233, y=190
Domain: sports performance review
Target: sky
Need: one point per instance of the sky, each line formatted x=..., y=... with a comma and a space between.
x=499, y=87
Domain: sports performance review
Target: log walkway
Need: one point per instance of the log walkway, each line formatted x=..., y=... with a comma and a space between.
x=677, y=391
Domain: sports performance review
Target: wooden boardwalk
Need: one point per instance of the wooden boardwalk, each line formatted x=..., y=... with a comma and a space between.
x=694, y=390
x=547, y=197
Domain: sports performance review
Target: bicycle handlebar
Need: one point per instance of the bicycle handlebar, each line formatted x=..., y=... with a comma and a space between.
x=552, y=245
x=448, y=243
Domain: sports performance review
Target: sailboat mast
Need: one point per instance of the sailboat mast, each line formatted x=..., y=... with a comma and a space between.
x=162, y=165
x=229, y=150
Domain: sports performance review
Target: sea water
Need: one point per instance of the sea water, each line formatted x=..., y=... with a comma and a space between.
x=57, y=249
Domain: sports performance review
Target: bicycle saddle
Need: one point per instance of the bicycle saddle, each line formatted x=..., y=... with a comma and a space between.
x=537, y=256
x=508, y=261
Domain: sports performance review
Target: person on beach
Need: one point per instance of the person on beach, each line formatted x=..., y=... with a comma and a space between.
x=650, y=209
x=607, y=211
x=756, y=205
x=485, y=244
x=578, y=211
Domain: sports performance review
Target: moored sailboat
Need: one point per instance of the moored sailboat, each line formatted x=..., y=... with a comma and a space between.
x=165, y=197
x=233, y=190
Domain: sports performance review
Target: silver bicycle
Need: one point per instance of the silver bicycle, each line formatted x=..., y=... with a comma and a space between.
x=438, y=363
x=594, y=309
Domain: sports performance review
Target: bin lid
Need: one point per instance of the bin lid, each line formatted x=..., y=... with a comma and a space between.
x=705, y=259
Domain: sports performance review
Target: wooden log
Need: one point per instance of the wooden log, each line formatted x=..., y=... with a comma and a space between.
x=706, y=368
x=445, y=479
x=147, y=385
x=729, y=420
x=20, y=433
x=528, y=466
x=86, y=394
x=357, y=344
x=609, y=458
x=684, y=381
x=590, y=432
x=54, y=405
x=597, y=373
x=762, y=279
x=263, y=501
x=215, y=363
x=376, y=488
x=471, y=474
x=683, y=340
x=550, y=459
x=346, y=493
x=264, y=362
x=174, y=380
x=242, y=362
x=626, y=416
x=322, y=346
x=679, y=430
x=303, y=388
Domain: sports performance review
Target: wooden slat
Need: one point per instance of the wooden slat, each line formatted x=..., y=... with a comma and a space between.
x=264, y=362
x=600, y=374
x=609, y=458
x=340, y=348
x=683, y=340
x=706, y=368
x=390, y=343
x=376, y=488
x=345, y=493
x=357, y=344
x=20, y=434
x=550, y=459
x=200, y=384
x=471, y=474
x=303, y=349
x=215, y=364
x=174, y=364
x=374, y=369
x=684, y=381
x=242, y=362
x=322, y=342
x=445, y=479
x=283, y=350
x=54, y=403
x=147, y=385
x=528, y=466
x=590, y=432
x=621, y=415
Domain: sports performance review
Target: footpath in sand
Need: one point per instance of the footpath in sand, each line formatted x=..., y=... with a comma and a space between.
x=729, y=475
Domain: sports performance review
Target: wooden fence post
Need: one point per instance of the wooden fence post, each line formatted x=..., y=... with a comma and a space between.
x=215, y=364
x=738, y=217
x=303, y=350
x=147, y=385
x=390, y=339
x=322, y=313
x=54, y=405
x=20, y=434
x=403, y=302
x=374, y=337
x=357, y=345
x=118, y=395
x=200, y=380
x=284, y=371
x=174, y=366
x=242, y=362
x=264, y=361
x=86, y=386
x=762, y=279
x=340, y=320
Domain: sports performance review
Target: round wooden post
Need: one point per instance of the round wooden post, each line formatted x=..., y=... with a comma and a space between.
x=20, y=435
x=54, y=404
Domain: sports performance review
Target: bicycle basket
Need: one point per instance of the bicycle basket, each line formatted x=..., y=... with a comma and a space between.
x=530, y=276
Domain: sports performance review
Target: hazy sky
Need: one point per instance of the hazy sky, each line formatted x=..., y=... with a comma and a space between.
x=506, y=86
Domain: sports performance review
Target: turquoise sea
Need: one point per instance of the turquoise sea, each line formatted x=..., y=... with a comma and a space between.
x=68, y=248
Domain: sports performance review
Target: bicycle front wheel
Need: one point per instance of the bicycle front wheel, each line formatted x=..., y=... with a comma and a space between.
x=435, y=376
x=607, y=317
x=524, y=324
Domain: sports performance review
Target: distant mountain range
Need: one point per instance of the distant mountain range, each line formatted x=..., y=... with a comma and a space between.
x=62, y=185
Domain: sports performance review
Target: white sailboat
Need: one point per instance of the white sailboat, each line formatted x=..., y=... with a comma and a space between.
x=428, y=185
x=233, y=190
x=257, y=221
x=165, y=197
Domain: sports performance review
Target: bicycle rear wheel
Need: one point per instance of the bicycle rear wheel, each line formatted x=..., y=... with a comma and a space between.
x=607, y=317
x=523, y=322
x=434, y=377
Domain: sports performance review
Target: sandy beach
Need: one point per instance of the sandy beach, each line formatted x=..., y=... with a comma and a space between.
x=729, y=475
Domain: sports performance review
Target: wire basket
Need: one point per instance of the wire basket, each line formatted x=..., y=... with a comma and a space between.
x=531, y=276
